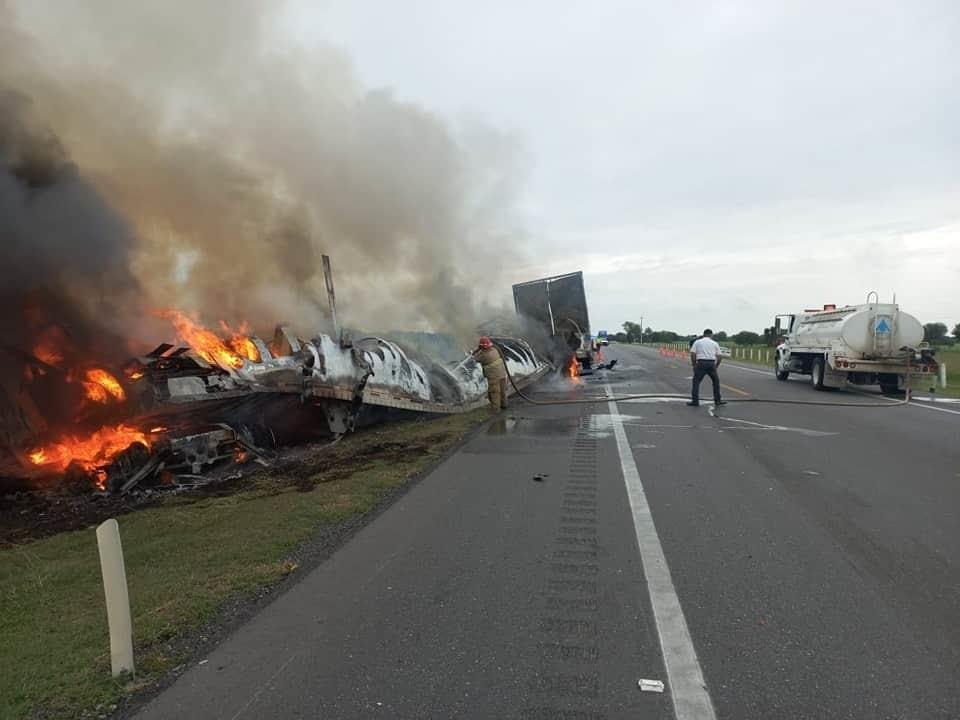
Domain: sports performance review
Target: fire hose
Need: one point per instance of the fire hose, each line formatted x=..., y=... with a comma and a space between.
x=672, y=396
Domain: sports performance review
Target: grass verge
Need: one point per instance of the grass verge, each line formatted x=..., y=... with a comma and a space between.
x=186, y=559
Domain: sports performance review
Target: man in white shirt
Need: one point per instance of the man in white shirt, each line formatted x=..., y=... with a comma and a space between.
x=705, y=358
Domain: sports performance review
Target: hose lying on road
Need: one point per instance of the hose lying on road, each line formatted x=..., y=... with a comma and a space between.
x=670, y=396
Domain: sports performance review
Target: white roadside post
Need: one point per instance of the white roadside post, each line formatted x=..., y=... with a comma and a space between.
x=118, y=600
x=943, y=375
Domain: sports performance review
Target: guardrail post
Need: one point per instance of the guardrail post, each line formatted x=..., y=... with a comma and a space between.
x=118, y=600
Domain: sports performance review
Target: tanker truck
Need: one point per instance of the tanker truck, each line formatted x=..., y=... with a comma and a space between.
x=870, y=344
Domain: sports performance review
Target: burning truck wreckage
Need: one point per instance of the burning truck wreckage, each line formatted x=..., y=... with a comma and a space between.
x=89, y=409
x=185, y=415
x=169, y=417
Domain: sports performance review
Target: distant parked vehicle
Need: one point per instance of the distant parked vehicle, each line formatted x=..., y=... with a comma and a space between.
x=725, y=352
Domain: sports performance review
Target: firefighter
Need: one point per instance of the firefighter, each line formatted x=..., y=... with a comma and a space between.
x=494, y=371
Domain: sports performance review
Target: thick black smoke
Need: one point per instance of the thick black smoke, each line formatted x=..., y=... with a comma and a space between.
x=66, y=252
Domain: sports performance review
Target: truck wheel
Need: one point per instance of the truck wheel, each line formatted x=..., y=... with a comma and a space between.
x=816, y=374
x=889, y=384
x=781, y=374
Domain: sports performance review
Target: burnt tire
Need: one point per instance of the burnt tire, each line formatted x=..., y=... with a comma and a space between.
x=816, y=374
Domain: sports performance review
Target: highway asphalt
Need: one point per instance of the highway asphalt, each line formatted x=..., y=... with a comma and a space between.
x=761, y=560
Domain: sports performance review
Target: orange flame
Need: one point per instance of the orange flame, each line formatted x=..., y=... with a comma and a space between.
x=51, y=345
x=96, y=393
x=92, y=452
x=240, y=341
x=207, y=344
x=101, y=386
x=48, y=353
x=573, y=370
x=244, y=346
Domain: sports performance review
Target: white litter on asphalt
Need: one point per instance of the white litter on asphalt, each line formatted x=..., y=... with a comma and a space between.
x=810, y=472
x=651, y=685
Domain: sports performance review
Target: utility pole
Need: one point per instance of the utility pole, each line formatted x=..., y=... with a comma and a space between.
x=641, y=329
x=331, y=296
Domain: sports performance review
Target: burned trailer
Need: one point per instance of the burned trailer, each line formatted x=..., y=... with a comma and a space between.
x=371, y=371
x=558, y=305
x=297, y=390
x=188, y=410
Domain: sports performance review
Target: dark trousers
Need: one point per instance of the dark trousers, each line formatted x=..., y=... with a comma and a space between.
x=701, y=369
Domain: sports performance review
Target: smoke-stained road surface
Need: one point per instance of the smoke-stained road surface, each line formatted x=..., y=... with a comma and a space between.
x=814, y=552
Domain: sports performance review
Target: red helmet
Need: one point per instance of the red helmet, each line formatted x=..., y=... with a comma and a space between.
x=485, y=342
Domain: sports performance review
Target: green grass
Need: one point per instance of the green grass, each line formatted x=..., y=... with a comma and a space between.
x=185, y=559
x=951, y=357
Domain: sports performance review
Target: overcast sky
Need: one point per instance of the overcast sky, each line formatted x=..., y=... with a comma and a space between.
x=705, y=163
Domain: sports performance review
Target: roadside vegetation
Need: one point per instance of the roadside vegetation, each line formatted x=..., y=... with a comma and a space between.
x=188, y=558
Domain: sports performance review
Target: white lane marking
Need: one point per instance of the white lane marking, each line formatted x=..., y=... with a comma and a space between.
x=914, y=402
x=263, y=687
x=691, y=701
x=931, y=407
x=664, y=399
x=748, y=369
x=782, y=428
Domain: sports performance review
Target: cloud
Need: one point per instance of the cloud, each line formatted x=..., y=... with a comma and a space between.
x=798, y=150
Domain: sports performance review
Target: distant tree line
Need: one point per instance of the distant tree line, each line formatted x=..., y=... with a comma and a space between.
x=936, y=333
x=632, y=334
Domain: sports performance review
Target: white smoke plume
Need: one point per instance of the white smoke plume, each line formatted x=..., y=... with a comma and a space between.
x=229, y=161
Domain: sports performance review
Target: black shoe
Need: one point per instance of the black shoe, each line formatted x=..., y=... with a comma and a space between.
x=720, y=402
x=693, y=404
